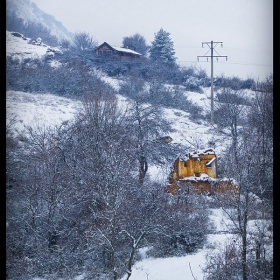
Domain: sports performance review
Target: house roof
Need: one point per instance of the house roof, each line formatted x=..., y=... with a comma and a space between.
x=125, y=50
x=196, y=154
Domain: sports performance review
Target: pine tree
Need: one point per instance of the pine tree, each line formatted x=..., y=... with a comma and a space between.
x=162, y=48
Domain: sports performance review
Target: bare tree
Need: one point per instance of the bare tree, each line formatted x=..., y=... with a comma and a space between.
x=260, y=121
x=84, y=45
x=224, y=262
x=245, y=206
x=100, y=157
x=229, y=113
x=84, y=42
x=148, y=125
x=136, y=43
x=42, y=202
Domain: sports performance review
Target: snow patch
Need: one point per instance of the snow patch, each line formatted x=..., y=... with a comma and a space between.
x=43, y=108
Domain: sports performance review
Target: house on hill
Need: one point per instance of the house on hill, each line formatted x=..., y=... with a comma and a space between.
x=197, y=171
x=123, y=53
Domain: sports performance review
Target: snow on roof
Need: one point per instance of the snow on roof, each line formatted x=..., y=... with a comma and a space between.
x=183, y=157
x=119, y=49
x=126, y=50
x=197, y=153
x=208, y=151
x=203, y=177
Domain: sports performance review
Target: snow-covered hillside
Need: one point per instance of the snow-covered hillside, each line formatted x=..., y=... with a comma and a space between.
x=21, y=48
x=48, y=109
x=39, y=106
x=44, y=109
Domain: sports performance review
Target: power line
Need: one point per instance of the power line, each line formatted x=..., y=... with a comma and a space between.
x=229, y=49
x=248, y=50
x=239, y=63
x=212, y=49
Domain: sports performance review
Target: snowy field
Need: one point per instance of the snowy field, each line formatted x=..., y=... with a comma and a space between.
x=188, y=267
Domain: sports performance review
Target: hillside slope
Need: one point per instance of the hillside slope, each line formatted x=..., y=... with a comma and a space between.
x=48, y=110
x=52, y=109
x=29, y=13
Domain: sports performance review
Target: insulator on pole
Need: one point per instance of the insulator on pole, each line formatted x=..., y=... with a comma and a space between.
x=198, y=59
x=221, y=45
x=217, y=58
x=207, y=59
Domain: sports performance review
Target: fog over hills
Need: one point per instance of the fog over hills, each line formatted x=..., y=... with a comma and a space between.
x=23, y=15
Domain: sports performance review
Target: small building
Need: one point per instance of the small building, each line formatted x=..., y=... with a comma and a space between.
x=107, y=50
x=197, y=171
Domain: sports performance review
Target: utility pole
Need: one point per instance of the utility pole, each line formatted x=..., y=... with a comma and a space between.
x=212, y=46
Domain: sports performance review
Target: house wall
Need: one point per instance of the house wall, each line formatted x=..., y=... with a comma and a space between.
x=195, y=166
x=181, y=178
x=127, y=56
x=105, y=50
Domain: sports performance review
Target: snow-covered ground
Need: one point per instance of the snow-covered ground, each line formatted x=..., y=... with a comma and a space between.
x=49, y=109
x=189, y=266
x=185, y=267
x=19, y=47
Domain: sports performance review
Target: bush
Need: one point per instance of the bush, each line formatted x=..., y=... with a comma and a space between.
x=185, y=231
x=64, y=81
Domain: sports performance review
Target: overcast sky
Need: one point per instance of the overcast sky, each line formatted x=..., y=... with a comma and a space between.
x=244, y=26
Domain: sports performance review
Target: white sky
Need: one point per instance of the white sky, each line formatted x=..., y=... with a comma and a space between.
x=244, y=27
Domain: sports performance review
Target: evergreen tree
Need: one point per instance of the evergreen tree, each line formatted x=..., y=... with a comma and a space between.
x=162, y=48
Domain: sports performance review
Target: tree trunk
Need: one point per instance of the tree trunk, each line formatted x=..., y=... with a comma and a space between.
x=244, y=251
x=115, y=275
x=132, y=254
x=130, y=261
x=143, y=169
x=258, y=253
x=244, y=238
